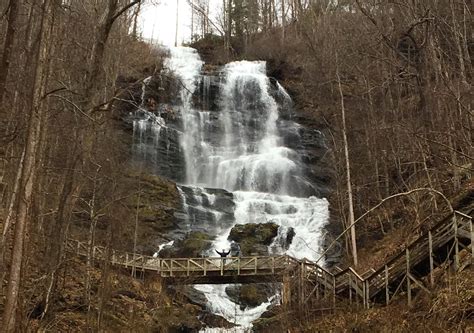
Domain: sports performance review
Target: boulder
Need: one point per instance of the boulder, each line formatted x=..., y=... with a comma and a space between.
x=193, y=245
x=249, y=295
x=254, y=238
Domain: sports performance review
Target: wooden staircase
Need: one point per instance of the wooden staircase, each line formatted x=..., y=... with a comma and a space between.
x=304, y=281
x=406, y=268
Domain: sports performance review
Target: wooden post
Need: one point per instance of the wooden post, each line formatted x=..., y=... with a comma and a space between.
x=349, y=282
x=364, y=304
x=204, y=266
x=334, y=292
x=456, y=242
x=222, y=266
x=318, y=295
x=367, y=293
x=472, y=240
x=256, y=266
x=407, y=254
x=387, y=294
x=430, y=244
x=286, y=294
x=325, y=286
x=187, y=267
x=356, y=293
x=301, y=285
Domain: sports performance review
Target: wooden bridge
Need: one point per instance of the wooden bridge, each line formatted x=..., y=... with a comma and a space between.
x=304, y=281
x=205, y=270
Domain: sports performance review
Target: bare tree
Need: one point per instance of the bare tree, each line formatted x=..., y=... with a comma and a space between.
x=29, y=167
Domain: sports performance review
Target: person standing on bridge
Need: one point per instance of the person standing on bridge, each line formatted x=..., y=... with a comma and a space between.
x=223, y=254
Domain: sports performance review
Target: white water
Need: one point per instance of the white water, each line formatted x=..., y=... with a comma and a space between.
x=245, y=156
x=186, y=64
x=146, y=124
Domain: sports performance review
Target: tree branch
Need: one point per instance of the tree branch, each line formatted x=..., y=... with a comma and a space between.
x=206, y=17
x=123, y=10
x=422, y=189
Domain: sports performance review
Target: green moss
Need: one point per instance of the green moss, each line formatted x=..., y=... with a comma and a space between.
x=174, y=319
x=254, y=238
x=156, y=199
x=252, y=295
x=194, y=244
x=268, y=324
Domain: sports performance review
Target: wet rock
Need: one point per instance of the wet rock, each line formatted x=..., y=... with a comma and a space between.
x=213, y=320
x=176, y=319
x=270, y=321
x=204, y=210
x=272, y=310
x=207, y=92
x=193, y=245
x=156, y=148
x=190, y=294
x=289, y=237
x=250, y=295
x=254, y=238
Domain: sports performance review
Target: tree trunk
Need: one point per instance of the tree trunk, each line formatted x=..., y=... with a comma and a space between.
x=283, y=22
x=9, y=221
x=348, y=175
x=81, y=152
x=29, y=171
x=8, y=45
x=229, y=25
x=135, y=20
x=176, y=27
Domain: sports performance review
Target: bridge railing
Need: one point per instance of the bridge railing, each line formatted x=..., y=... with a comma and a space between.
x=453, y=227
x=169, y=267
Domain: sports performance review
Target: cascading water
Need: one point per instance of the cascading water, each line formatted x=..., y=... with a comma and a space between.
x=246, y=148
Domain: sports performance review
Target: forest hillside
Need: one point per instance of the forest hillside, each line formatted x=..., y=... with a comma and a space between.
x=387, y=84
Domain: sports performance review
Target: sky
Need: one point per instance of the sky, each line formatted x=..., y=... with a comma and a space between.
x=158, y=21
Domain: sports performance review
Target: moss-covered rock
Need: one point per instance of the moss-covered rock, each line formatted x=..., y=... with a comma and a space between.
x=175, y=319
x=249, y=295
x=254, y=238
x=156, y=199
x=193, y=245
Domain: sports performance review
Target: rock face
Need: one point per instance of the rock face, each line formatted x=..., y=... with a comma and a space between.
x=250, y=295
x=204, y=210
x=153, y=201
x=254, y=239
x=193, y=245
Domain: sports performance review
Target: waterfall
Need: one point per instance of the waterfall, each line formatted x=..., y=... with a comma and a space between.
x=186, y=64
x=243, y=147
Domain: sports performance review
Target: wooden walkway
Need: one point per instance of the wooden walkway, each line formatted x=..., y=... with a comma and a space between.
x=206, y=270
x=437, y=247
x=304, y=281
